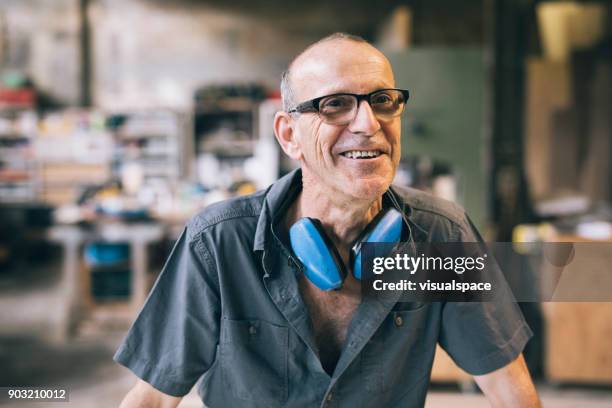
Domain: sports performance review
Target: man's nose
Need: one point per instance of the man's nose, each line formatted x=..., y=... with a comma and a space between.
x=365, y=121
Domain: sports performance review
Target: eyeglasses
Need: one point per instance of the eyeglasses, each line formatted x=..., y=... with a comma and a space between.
x=341, y=108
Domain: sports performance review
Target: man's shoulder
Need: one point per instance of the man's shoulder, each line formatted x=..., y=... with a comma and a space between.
x=424, y=204
x=243, y=210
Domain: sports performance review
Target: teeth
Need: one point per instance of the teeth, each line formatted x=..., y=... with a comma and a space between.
x=356, y=154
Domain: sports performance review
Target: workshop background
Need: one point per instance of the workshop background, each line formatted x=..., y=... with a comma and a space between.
x=119, y=119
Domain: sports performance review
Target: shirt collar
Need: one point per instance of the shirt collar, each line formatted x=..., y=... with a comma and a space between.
x=283, y=192
x=278, y=197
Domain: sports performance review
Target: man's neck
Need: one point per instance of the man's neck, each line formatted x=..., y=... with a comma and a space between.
x=343, y=217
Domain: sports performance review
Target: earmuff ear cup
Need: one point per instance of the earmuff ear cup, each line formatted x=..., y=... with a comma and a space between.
x=311, y=245
x=322, y=263
x=385, y=227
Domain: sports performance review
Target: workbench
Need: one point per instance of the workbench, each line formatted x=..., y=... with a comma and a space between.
x=74, y=280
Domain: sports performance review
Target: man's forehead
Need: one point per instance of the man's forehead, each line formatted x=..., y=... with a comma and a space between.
x=340, y=66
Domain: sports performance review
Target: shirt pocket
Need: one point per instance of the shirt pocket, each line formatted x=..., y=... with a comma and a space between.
x=400, y=353
x=254, y=360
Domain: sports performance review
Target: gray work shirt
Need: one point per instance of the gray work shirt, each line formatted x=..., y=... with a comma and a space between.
x=227, y=310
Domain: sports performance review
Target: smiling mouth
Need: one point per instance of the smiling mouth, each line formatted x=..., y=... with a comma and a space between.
x=362, y=154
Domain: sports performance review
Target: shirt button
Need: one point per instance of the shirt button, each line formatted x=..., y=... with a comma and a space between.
x=399, y=321
x=330, y=396
x=252, y=330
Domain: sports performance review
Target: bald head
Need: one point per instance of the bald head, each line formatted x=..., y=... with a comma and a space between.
x=334, y=54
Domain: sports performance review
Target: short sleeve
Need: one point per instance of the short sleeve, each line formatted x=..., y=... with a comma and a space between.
x=173, y=340
x=482, y=336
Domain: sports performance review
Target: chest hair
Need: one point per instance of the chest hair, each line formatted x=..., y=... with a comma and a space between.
x=330, y=315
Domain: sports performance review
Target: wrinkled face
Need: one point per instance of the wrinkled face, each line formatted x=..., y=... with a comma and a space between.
x=328, y=152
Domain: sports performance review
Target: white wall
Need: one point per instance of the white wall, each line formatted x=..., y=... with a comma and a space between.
x=41, y=38
x=148, y=55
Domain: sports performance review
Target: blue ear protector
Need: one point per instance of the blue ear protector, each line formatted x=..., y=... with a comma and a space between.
x=320, y=258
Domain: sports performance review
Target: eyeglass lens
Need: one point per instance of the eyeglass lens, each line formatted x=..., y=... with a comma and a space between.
x=341, y=109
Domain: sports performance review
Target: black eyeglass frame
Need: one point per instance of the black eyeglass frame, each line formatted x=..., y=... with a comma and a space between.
x=313, y=104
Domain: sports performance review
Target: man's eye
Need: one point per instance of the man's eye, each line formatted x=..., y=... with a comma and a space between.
x=382, y=99
x=335, y=103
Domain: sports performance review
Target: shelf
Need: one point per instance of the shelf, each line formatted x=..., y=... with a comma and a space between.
x=225, y=106
x=14, y=136
x=153, y=141
x=141, y=136
x=18, y=170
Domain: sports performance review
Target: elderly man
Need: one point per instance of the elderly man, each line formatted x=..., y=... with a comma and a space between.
x=237, y=306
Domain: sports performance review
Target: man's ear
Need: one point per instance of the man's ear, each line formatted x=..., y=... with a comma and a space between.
x=284, y=132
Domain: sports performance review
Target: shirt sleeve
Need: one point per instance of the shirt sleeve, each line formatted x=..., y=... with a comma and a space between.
x=173, y=340
x=482, y=336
